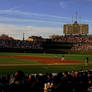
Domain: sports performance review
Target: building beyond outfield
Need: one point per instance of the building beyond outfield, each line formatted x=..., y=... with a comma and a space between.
x=73, y=29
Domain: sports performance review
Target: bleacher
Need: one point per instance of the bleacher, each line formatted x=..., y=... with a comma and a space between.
x=80, y=81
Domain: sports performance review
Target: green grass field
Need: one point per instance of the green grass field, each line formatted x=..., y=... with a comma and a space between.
x=41, y=68
x=11, y=60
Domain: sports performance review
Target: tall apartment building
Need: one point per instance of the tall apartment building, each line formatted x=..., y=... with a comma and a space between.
x=75, y=28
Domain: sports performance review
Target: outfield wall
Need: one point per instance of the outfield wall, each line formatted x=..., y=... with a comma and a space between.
x=46, y=47
x=18, y=50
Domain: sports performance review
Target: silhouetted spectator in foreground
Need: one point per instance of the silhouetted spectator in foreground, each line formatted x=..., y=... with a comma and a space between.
x=86, y=61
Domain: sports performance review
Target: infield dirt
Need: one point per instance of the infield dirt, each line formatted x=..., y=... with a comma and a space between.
x=43, y=60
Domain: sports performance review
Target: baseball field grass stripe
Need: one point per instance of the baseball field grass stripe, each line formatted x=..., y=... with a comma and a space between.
x=34, y=66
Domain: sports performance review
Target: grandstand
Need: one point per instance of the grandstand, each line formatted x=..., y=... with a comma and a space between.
x=49, y=82
x=71, y=42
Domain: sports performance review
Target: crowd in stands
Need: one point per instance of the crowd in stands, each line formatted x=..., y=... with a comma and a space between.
x=19, y=44
x=49, y=82
x=80, y=46
x=79, y=42
x=72, y=39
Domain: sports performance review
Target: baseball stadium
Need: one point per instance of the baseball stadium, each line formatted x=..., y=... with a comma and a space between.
x=45, y=46
x=59, y=63
x=40, y=55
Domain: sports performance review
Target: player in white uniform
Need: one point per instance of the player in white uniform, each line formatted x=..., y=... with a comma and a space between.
x=62, y=58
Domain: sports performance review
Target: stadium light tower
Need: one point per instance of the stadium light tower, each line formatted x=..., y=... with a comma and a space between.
x=76, y=14
x=72, y=19
x=79, y=19
x=23, y=36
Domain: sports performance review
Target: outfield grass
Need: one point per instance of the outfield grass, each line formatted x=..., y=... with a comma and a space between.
x=29, y=54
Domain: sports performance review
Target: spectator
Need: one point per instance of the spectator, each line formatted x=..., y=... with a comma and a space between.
x=50, y=82
x=86, y=61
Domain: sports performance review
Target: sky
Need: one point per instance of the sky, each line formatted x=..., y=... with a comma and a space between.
x=42, y=17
